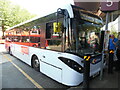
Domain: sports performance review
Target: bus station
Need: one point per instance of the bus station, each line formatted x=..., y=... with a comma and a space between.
x=66, y=49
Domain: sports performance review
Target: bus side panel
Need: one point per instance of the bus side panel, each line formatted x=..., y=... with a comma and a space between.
x=70, y=77
x=53, y=67
x=20, y=52
x=50, y=65
x=95, y=66
x=51, y=71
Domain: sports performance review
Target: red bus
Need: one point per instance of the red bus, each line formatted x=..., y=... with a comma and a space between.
x=28, y=38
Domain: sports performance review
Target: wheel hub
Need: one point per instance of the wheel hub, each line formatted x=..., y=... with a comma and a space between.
x=36, y=63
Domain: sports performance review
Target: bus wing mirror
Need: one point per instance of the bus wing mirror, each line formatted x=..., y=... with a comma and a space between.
x=57, y=27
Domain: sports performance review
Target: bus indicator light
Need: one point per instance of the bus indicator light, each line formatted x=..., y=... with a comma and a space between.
x=87, y=58
x=111, y=51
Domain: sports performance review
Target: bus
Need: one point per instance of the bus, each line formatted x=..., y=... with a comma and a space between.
x=66, y=36
x=22, y=38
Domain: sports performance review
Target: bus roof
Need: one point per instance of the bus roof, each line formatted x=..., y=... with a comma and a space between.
x=68, y=7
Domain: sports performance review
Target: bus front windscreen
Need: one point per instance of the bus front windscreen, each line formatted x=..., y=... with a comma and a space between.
x=88, y=38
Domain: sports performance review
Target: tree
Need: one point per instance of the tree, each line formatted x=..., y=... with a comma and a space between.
x=11, y=15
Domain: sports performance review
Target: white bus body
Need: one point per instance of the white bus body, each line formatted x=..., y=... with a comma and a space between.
x=53, y=67
x=51, y=63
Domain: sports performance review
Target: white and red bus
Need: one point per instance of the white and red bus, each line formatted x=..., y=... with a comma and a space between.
x=65, y=37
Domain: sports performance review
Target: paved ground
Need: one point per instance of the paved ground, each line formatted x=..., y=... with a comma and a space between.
x=2, y=49
x=108, y=82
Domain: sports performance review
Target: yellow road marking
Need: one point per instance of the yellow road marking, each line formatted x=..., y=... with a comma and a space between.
x=25, y=74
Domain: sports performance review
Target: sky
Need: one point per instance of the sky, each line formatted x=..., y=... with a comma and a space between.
x=41, y=6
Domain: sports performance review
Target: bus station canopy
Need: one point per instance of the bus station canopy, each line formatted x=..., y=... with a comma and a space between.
x=95, y=7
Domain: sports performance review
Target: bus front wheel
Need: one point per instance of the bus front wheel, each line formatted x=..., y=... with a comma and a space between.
x=36, y=63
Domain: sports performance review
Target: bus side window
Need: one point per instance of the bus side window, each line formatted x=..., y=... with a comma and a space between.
x=8, y=39
x=12, y=38
x=51, y=33
x=35, y=39
x=17, y=39
x=25, y=39
x=48, y=30
x=54, y=45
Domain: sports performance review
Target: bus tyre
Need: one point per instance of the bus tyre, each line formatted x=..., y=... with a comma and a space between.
x=36, y=63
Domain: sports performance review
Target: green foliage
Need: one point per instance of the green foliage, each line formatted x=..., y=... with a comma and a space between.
x=11, y=14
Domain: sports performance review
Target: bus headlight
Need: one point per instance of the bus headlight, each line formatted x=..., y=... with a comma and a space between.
x=72, y=64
